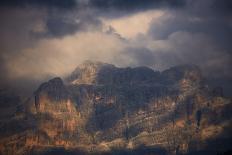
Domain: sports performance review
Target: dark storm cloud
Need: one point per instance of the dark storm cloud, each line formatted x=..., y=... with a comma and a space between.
x=212, y=17
x=222, y=6
x=58, y=23
x=134, y=4
x=206, y=16
x=39, y=3
x=61, y=25
x=216, y=27
x=119, y=8
x=55, y=13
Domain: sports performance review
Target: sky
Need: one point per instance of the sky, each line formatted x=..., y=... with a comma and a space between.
x=40, y=39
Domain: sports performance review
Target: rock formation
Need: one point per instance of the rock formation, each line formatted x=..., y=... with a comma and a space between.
x=100, y=107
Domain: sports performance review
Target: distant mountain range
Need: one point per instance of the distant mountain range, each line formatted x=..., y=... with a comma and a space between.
x=102, y=109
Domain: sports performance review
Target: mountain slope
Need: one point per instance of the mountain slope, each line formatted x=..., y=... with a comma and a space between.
x=101, y=108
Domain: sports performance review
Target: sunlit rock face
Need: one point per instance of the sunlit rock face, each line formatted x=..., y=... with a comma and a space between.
x=97, y=73
x=49, y=118
x=54, y=88
x=57, y=114
x=186, y=76
x=87, y=73
x=52, y=93
x=101, y=107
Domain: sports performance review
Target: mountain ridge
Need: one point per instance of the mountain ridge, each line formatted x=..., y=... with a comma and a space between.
x=100, y=108
x=97, y=70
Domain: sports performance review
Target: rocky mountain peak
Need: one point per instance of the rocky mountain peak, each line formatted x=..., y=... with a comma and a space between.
x=54, y=89
x=182, y=72
x=104, y=104
x=55, y=82
x=91, y=72
x=87, y=72
x=90, y=63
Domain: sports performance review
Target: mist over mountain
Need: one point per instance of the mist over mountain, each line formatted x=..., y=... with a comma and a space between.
x=103, y=109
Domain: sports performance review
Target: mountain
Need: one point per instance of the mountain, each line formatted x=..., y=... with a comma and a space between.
x=100, y=108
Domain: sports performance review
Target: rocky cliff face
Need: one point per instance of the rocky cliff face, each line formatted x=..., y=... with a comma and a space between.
x=88, y=72
x=102, y=108
x=50, y=118
x=57, y=112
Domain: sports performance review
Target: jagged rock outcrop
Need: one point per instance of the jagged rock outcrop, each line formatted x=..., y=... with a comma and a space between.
x=101, y=107
x=50, y=119
x=57, y=114
x=98, y=73
x=49, y=92
x=87, y=73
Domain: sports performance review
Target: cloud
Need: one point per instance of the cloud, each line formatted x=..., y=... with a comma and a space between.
x=23, y=29
x=195, y=48
x=17, y=25
x=40, y=39
x=67, y=4
x=223, y=6
x=199, y=33
x=178, y=48
x=185, y=20
x=134, y=4
x=68, y=23
x=132, y=25
x=60, y=56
